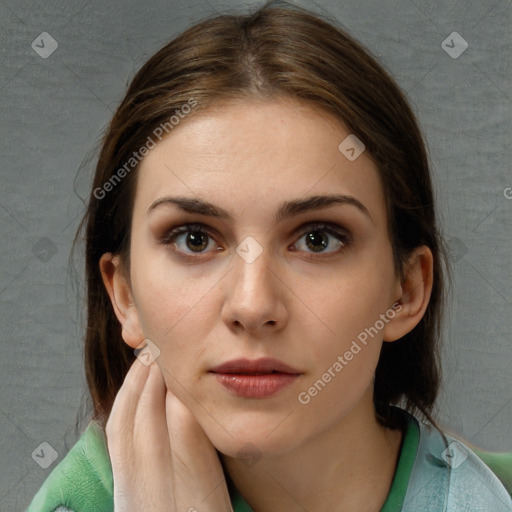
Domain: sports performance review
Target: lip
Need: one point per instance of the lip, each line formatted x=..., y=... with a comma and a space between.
x=259, y=378
x=264, y=365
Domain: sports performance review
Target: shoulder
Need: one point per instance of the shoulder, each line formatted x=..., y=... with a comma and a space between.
x=449, y=476
x=82, y=481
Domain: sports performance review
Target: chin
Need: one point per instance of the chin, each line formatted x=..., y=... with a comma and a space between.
x=253, y=448
x=254, y=438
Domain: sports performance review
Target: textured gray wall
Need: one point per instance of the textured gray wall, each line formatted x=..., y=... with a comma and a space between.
x=53, y=111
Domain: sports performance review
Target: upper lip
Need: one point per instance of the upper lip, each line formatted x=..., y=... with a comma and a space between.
x=263, y=365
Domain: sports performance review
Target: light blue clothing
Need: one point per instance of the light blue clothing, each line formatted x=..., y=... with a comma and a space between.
x=465, y=484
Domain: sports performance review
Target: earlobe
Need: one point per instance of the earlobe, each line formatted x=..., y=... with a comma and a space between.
x=416, y=288
x=121, y=298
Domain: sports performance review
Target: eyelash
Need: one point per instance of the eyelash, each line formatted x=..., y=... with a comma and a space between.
x=325, y=227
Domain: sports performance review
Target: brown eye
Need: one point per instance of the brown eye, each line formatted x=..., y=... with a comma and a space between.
x=317, y=241
x=197, y=241
x=321, y=236
x=189, y=236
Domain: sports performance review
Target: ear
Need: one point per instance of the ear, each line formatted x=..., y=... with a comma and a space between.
x=413, y=295
x=119, y=291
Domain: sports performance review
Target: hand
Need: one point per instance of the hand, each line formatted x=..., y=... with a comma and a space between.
x=162, y=461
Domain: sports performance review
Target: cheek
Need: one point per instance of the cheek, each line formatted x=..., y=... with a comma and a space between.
x=349, y=324
x=343, y=363
x=173, y=311
x=346, y=303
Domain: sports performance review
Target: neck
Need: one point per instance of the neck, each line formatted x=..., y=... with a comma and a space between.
x=347, y=467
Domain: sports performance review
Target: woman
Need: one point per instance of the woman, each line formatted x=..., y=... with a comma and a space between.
x=265, y=287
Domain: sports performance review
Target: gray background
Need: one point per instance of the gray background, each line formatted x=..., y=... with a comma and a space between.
x=53, y=111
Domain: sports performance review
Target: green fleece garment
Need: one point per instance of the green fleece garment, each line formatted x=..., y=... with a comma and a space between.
x=82, y=481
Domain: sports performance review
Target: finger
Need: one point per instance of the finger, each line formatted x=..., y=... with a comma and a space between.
x=150, y=459
x=198, y=477
x=123, y=410
x=152, y=396
x=138, y=442
x=119, y=433
x=150, y=425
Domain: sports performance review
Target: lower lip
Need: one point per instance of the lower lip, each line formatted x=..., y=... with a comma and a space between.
x=255, y=386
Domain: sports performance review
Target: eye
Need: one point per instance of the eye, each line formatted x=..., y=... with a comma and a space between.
x=316, y=236
x=191, y=236
x=320, y=236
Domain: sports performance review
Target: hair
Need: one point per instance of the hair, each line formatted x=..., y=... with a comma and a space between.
x=275, y=52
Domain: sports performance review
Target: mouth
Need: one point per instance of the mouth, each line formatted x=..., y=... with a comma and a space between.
x=263, y=366
x=259, y=378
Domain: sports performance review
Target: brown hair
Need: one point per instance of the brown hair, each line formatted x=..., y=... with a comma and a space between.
x=274, y=52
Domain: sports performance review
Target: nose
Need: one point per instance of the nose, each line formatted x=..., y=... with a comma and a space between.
x=254, y=296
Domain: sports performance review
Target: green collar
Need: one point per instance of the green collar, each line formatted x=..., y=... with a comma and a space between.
x=396, y=495
x=408, y=452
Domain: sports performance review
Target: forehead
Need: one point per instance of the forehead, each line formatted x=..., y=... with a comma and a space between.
x=251, y=155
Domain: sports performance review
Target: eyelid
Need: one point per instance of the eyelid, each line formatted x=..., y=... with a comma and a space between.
x=189, y=226
x=329, y=227
x=333, y=229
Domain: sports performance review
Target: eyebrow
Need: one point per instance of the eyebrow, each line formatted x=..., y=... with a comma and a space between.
x=286, y=210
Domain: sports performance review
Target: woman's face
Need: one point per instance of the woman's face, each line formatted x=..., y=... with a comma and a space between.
x=261, y=280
